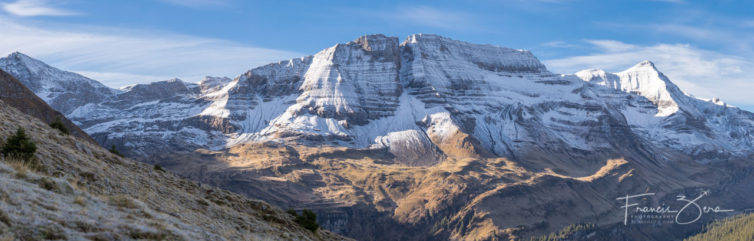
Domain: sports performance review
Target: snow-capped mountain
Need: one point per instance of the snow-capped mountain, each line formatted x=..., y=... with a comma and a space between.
x=705, y=129
x=64, y=91
x=423, y=92
x=425, y=139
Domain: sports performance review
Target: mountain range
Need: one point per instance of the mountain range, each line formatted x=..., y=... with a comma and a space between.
x=428, y=138
x=73, y=189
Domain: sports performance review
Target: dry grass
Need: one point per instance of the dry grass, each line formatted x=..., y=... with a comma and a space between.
x=80, y=200
x=122, y=201
x=130, y=189
x=4, y=218
x=466, y=184
x=47, y=184
x=20, y=166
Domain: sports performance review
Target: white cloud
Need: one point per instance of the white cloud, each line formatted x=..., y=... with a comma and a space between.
x=702, y=73
x=30, y=8
x=732, y=38
x=611, y=45
x=729, y=34
x=119, y=57
x=559, y=44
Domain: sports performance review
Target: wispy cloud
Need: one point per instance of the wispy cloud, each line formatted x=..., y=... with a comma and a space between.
x=559, y=44
x=30, y=8
x=611, y=46
x=429, y=17
x=197, y=3
x=120, y=57
x=748, y=24
x=699, y=72
x=729, y=37
x=724, y=32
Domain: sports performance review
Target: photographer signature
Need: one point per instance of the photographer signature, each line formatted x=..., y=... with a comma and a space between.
x=690, y=205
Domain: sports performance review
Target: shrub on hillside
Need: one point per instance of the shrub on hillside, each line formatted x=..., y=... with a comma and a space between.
x=115, y=151
x=19, y=145
x=58, y=124
x=307, y=219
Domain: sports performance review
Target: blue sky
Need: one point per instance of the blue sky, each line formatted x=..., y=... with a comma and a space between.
x=706, y=47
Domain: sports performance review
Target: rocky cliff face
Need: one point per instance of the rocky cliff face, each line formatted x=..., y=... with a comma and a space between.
x=432, y=136
x=378, y=92
x=64, y=91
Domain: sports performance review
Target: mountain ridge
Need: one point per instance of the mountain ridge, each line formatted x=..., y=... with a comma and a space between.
x=79, y=190
x=431, y=136
x=53, y=85
x=346, y=94
x=17, y=95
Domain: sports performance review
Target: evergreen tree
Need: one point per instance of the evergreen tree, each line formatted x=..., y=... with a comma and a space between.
x=115, y=151
x=19, y=145
x=58, y=124
x=157, y=167
x=307, y=219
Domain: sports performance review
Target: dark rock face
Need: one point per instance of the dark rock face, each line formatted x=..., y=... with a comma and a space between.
x=15, y=94
x=155, y=91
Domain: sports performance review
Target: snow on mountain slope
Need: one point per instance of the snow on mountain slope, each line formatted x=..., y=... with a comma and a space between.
x=347, y=84
x=211, y=84
x=63, y=90
x=643, y=79
x=148, y=117
x=141, y=119
x=92, y=194
x=707, y=129
x=428, y=96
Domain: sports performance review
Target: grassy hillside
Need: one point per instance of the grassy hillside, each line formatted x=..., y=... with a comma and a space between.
x=15, y=94
x=739, y=228
x=77, y=190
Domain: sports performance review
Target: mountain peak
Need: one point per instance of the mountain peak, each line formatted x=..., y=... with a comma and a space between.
x=213, y=79
x=643, y=79
x=646, y=66
x=648, y=69
x=174, y=79
x=17, y=55
x=599, y=77
x=53, y=85
x=376, y=43
x=413, y=38
x=20, y=59
x=212, y=83
x=485, y=56
x=646, y=63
